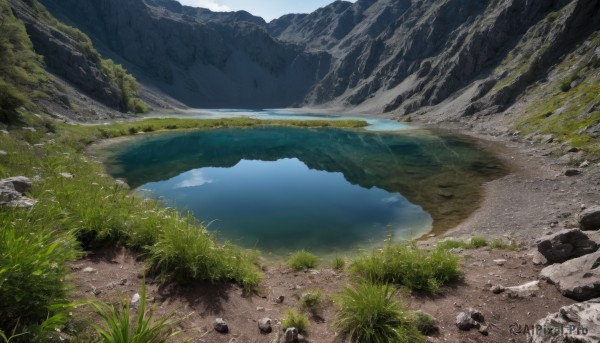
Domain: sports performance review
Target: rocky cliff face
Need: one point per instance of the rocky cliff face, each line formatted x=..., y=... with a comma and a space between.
x=442, y=58
x=202, y=58
x=407, y=56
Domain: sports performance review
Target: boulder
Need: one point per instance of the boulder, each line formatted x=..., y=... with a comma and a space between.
x=578, y=278
x=580, y=323
x=589, y=219
x=265, y=325
x=469, y=319
x=220, y=326
x=565, y=244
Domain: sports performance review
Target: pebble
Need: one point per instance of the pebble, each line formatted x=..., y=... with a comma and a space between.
x=220, y=326
x=500, y=261
x=89, y=270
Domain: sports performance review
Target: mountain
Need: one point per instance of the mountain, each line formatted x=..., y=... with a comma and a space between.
x=201, y=58
x=427, y=60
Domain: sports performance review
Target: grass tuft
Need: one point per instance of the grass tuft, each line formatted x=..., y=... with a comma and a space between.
x=338, y=263
x=311, y=301
x=121, y=326
x=295, y=319
x=302, y=259
x=372, y=313
x=408, y=266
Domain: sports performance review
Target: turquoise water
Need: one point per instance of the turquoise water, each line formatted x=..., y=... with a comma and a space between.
x=325, y=190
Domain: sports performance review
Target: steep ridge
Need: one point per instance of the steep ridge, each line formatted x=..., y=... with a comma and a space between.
x=406, y=55
x=198, y=57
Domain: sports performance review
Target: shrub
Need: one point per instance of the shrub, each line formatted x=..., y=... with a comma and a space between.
x=425, y=323
x=338, y=263
x=372, y=313
x=121, y=327
x=302, y=260
x=188, y=252
x=408, y=266
x=311, y=300
x=294, y=319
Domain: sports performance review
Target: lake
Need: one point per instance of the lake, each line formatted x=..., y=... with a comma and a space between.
x=330, y=191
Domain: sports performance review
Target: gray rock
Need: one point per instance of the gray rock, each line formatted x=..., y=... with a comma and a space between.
x=264, y=325
x=589, y=219
x=580, y=323
x=291, y=335
x=89, y=270
x=66, y=175
x=20, y=184
x=279, y=299
x=3, y=153
x=135, y=300
x=220, y=326
x=524, y=290
x=578, y=278
x=565, y=244
x=469, y=319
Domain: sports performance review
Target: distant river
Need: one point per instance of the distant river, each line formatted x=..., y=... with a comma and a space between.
x=330, y=191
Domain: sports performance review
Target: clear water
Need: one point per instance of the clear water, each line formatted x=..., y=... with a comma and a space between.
x=325, y=190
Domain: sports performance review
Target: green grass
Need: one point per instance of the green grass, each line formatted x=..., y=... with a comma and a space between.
x=33, y=257
x=21, y=72
x=477, y=242
x=312, y=301
x=563, y=111
x=295, y=319
x=338, y=263
x=425, y=323
x=301, y=260
x=408, y=266
x=372, y=313
x=122, y=325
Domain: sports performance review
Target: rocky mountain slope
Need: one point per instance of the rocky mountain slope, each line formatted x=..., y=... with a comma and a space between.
x=203, y=59
x=429, y=60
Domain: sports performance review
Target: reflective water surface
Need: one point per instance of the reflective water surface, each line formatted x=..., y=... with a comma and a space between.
x=326, y=190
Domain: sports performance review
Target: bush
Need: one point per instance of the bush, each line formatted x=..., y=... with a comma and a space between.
x=294, y=319
x=121, y=327
x=302, y=260
x=478, y=242
x=409, y=266
x=338, y=263
x=372, y=313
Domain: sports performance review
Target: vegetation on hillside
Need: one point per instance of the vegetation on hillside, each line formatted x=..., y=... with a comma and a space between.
x=21, y=71
x=569, y=104
x=127, y=84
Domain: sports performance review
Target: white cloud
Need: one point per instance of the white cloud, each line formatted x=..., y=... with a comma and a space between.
x=210, y=4
x=193, y=178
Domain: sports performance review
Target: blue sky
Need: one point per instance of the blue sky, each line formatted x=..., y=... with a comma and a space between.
x=268, y=9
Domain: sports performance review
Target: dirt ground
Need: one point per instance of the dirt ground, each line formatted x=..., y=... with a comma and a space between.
x=116, y=276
